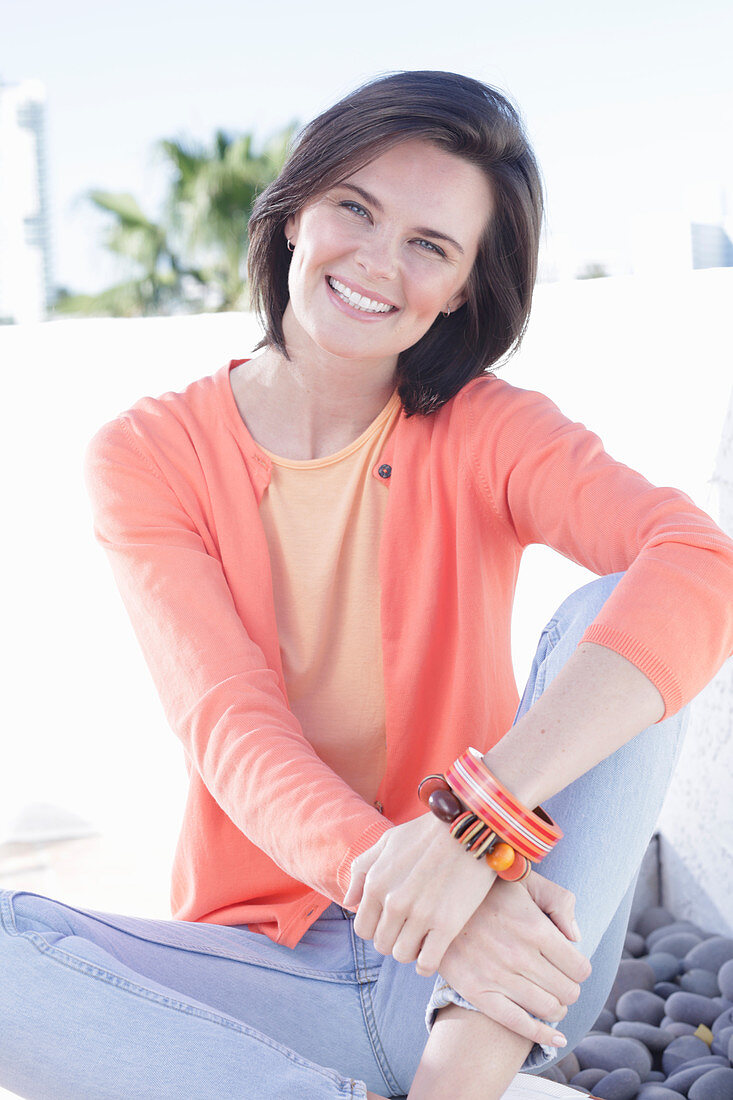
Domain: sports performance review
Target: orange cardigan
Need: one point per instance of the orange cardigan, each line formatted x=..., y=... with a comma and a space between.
x=269, y=831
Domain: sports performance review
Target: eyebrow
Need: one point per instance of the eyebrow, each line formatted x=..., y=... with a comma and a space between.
x=423, y=230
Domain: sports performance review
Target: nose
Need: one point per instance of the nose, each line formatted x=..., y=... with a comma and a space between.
x=377, y=255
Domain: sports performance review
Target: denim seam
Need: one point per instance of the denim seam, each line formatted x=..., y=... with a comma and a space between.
x=72, y=962
x=343, y=977
x=365, y=984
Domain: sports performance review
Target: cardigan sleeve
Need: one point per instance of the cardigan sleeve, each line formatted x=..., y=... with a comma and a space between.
x=551, y=481
x=219, y=695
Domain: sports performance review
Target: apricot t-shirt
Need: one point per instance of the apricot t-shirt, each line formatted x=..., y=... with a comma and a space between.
x=322, y=519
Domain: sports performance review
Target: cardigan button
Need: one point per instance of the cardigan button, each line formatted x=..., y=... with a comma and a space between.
x=385, y=470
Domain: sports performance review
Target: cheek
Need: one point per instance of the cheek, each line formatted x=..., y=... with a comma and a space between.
x=428, y=291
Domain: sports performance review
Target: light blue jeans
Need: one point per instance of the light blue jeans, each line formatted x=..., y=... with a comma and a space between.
x=100, y=1006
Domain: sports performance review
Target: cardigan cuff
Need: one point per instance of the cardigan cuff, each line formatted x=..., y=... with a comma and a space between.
x=367, y=840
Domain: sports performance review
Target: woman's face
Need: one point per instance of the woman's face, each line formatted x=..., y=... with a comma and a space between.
x=380, y=255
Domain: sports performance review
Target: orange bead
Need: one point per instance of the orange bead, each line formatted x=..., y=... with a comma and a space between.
x=500, y=857
x=517, y=870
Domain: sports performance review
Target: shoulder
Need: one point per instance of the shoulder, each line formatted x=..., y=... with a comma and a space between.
x=490, y=395
x=162, y=429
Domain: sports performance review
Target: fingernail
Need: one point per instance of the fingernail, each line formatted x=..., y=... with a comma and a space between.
x=575, y=930
x=559, y=1040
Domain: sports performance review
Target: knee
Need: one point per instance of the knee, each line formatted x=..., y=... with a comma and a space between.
x=582, y=606
x=22, y=913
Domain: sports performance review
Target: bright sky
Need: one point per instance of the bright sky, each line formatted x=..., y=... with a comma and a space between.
x=629, y=105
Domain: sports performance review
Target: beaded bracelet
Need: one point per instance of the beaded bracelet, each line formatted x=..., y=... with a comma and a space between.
x=487, y=819
x=474, y=834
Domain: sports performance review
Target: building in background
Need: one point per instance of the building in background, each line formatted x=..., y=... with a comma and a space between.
x=672, y=244
x=26, y=281
x=711, y=246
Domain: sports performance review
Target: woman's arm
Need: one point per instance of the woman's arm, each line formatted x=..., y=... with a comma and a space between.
x=597, y=702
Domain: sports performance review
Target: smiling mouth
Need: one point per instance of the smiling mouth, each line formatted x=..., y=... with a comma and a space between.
x=356, y=300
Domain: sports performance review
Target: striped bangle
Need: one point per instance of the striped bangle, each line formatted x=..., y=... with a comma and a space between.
x=532, y=834
x=471, y=832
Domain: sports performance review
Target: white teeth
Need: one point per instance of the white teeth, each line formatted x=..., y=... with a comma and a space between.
x=358, y=301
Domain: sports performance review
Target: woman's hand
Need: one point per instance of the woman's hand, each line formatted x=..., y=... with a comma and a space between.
x=414, y=890
x=514, y=957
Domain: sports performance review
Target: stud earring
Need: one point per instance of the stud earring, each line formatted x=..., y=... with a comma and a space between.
x=291, y=246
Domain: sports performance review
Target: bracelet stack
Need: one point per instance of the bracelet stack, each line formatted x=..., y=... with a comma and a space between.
x=487, y=819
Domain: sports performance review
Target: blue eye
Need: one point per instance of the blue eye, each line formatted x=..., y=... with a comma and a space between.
x=430, y=247
x=355, y=207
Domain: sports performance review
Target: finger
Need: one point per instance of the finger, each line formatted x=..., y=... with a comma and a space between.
x=359, y=869
x=391, y=922
x=557, y=902
x=367, y=918
x=409, y=943
x=536, y=999
x=514, y=1018
x=431, y=953
x=561, y=954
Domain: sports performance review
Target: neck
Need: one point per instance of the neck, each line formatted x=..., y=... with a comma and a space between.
x=314, y=404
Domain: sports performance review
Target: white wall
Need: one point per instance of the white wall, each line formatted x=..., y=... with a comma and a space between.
x=696, y=849
x=645, y=364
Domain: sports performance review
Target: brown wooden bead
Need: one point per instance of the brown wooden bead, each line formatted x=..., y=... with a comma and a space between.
x=429, y=784
x=445, y=805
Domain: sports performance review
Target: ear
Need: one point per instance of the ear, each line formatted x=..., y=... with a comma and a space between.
x=457, y=301
x=291, y=227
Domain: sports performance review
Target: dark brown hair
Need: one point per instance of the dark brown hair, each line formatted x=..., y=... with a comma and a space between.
x=467, y=118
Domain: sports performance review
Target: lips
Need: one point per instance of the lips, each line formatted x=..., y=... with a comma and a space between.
x=359, y=297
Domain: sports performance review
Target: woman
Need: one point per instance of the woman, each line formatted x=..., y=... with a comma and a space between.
x=318, y=549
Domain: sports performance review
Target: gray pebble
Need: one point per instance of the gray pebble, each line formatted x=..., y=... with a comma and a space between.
x=588, y=1078
x=679, y=944
x=730, y=1050
x=634, y=944
x=716, y=1085
x=725, y=1019
x=665, y=965
x=720, y=1043
x=631, y=974
x=710, y=1060
x=675, y=1028
x=690, y=1008
x=658, y=1092
x=569, y=1066
x=554, y=1073
x=609, y=1052
x=683, y=1050
x=722, y=1003
x=725, y=979
x=704, y=982
x=655, y=1075
x=663, y=989
x=605, y=1021
x=621, y=1084
x=667, y=930
x=710, y=954
x=642, y=1005
x=681, y=1079
x=656, y=916
x=655, y=1039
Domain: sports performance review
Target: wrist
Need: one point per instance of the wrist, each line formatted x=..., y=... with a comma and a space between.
x=518, y=776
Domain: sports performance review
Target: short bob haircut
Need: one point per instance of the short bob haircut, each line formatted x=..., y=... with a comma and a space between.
x=467, y=118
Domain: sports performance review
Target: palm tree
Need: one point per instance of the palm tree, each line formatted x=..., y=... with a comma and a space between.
x=211, y=200
x=195, y=258
x=135, y=237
